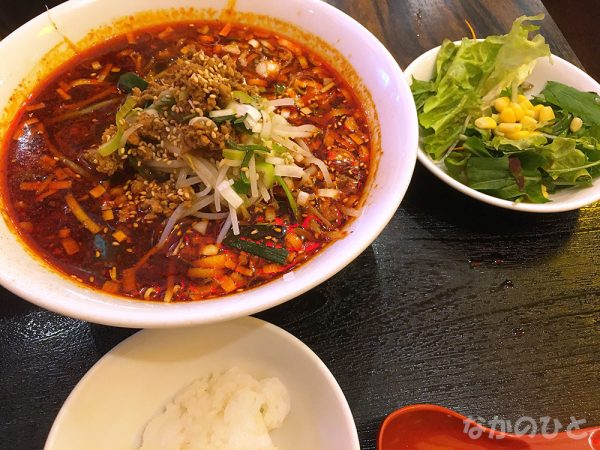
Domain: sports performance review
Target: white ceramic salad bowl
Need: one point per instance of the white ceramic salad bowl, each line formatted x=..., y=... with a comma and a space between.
x=377, y=79
x=553, y=69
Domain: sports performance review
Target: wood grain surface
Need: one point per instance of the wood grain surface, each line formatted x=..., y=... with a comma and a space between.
x=486, y=311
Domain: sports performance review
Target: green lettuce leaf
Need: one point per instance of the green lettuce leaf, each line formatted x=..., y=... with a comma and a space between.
x=516, y=57
x=585, y=105
x=465, y=75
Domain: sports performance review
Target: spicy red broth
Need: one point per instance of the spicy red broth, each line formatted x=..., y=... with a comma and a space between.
x=187, y=161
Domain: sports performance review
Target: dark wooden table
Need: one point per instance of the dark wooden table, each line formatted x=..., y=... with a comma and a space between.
x=487, y=311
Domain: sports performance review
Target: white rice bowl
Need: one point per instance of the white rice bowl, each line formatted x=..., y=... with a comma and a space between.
x=229, y=411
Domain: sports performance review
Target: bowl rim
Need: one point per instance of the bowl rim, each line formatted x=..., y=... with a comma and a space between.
x=121, y=311
x=551, y=207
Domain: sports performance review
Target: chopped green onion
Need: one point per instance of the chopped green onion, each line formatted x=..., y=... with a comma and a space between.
x=221, y=119
x=241, y=187
x=289, y=196
x=115, y=142
x=112, y=145
x=277, y=255
x=242, y=97
x=130, y=80
x=245, y=163
x=124, y=110
x=230, y=153
x=280, y=88
x=248, y=147
x=268, y=172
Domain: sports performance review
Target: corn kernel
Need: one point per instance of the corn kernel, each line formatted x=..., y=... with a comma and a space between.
x=509, y=127
x=501, y=103
x=530, y=113
x=544, y=191
x=485, y=123
x=546, y=114
x=508, y=115
x=529, y=123
x=521, y=98
x=515, y=136
x=519, y=111
x=526, y=104
x=536, y=111
x=576, y=124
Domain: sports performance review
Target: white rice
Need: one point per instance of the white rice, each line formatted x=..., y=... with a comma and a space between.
x=230, y=410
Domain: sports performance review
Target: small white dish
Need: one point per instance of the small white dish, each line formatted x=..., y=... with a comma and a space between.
x=111, y=405
x=556, y=69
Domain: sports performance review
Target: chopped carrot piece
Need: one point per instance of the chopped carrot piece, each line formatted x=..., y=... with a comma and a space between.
x=226, y=283
x=272, y=268
x=63, y=94
x=26, y=226
x=70, y=245
x=292, y=241
x=204, y=39
x=201, y=272
x=356, y=138
x=212, y=262
x=35, y=107
x=244, y=271
x=225, y=30
x=105, y=71
x=239, y=280
x=97, y=191
x=257, y=82
x=111, y=286
x=290, y=46
x=119, y=236
x=61, y=174
x=165, y=33
x=350, y=124
x=107, y=214
x=83, y=82
x=58, y=185
x=46, y=194
x=328, y=87
x=129, y=279
x=30, y=185
x=47, y=162
x=44, y=185
x=303, y=62
x=81, y=215
x=64, y=233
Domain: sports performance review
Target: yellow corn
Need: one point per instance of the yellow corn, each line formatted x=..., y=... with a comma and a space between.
x=544, y=191
x=576, y=124
x=509, y=127
x=501, y=103
x=508, y=115
x=529, y=123
x=519, y=111
x=516, y=135
x=485, y=123
x=546, y=114
x=524, y=102
x=530, y=113
x=536, y=111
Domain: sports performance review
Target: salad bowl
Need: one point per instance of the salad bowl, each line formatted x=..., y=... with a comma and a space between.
x=546, y=69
